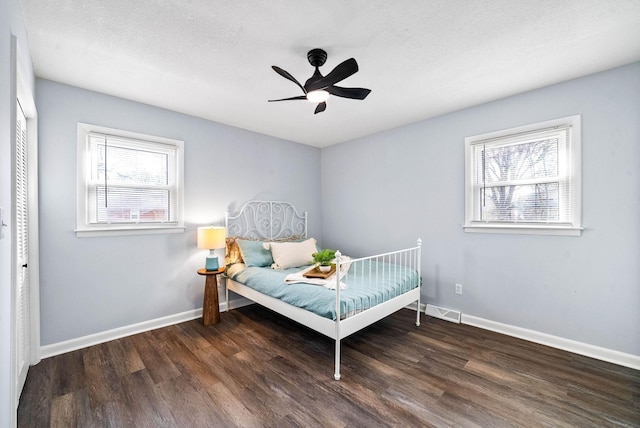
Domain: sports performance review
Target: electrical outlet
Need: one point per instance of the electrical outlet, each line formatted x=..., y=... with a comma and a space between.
x=458, y=288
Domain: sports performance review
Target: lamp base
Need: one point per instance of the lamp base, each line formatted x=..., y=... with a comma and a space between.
x=212, y=263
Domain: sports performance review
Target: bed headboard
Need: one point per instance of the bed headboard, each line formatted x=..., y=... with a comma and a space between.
x=266, y=220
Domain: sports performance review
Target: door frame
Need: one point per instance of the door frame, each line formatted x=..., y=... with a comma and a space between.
x=21, y=90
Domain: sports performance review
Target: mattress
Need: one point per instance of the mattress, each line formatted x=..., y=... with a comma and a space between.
x=366, y=284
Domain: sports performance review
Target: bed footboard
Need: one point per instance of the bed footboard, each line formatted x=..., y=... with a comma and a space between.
x=370, y=288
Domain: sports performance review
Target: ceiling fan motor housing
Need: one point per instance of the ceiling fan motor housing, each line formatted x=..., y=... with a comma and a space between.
x=317, y=57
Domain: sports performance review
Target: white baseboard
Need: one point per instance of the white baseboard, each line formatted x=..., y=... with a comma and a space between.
x=615, y=357
x=105, y=336
x=117, y=333
x=54, y=349
x=611, y=356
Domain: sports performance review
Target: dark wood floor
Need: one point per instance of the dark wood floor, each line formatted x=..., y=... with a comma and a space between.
x=256, y=368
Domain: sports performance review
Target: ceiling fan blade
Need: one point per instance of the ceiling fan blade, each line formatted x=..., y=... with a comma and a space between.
x=341, y=72
x=320, y=108
x=317, y=76
x=299, y=97
x=288, y=76
x=354, y=93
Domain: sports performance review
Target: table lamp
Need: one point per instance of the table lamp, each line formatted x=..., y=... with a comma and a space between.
x=210, y=238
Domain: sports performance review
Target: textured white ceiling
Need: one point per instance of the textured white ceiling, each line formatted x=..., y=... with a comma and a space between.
x=420, y=58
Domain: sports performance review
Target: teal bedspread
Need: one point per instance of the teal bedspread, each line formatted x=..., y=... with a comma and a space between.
x=368, y=283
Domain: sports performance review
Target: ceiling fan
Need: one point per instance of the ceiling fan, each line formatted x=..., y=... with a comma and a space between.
x=318, y=87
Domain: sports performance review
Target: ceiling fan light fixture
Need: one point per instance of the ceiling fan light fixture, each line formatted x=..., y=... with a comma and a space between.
x=318, y=96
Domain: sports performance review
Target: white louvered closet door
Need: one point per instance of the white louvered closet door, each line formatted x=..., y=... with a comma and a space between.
x=22, y=293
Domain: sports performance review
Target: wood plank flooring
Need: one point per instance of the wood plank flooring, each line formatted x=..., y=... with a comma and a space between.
x=258, y=369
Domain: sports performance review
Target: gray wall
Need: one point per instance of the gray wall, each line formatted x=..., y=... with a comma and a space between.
x=384, y=191
x=91, y=285
x=377, y=193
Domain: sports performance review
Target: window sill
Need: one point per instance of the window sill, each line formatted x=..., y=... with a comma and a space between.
x=124, y=230
x=523, y=229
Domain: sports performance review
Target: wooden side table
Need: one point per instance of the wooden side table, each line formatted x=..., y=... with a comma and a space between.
x=210, y=304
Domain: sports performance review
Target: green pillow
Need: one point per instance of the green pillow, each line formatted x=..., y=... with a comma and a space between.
x=254, y=253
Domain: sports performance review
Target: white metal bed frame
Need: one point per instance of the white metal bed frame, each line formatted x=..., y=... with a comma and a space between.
x=276, y=220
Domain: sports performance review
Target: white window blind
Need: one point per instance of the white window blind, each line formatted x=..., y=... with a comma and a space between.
x=525, y=178
x=131, y=183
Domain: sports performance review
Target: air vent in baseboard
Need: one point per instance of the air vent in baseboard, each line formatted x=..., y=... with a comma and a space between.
x=443, y=313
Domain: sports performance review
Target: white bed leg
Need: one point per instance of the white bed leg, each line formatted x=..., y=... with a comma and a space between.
x=419, y=268
x=337, y=373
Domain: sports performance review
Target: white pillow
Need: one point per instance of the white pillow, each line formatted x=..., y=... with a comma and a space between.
x=292, y=254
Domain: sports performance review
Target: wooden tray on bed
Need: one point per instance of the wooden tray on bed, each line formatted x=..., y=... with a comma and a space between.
x=315, y=273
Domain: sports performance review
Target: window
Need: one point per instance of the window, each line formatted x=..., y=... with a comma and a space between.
x=525, y=179
x=128, y=183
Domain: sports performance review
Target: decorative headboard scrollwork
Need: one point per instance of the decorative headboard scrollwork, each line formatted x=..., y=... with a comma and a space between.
x=272, y=220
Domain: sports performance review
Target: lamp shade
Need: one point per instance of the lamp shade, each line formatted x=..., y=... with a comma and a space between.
x=211, y=237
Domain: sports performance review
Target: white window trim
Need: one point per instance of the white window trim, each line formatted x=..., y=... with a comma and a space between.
x=83, y=227
x=573, y=228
